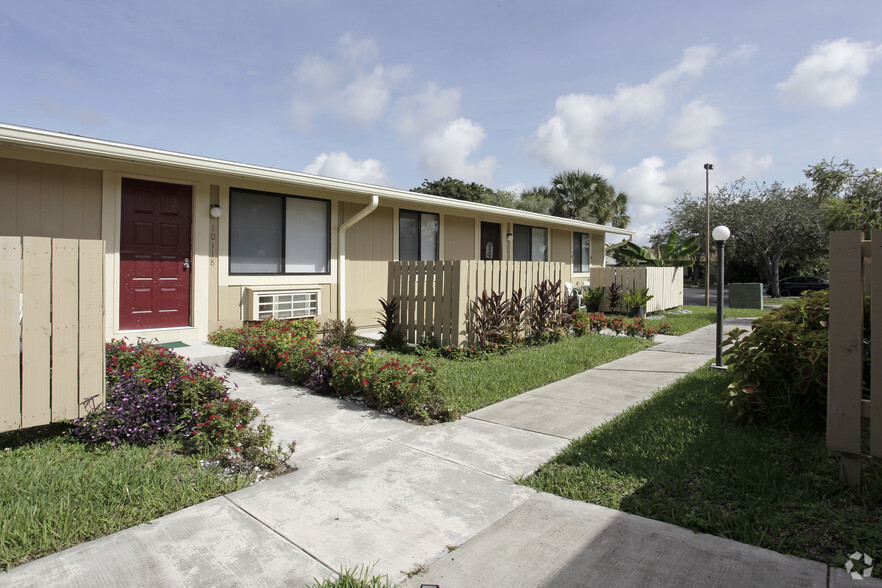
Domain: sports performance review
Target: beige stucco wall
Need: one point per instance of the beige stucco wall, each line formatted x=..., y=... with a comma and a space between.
x=46, y=200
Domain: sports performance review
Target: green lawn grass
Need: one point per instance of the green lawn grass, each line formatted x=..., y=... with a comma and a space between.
x=680, y=458
x=470, y=385
x=56, y=493
x=701, y=316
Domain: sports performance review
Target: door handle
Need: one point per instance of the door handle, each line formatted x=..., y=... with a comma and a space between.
x=186, y=263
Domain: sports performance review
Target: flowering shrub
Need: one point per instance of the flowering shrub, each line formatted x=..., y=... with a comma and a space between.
x=597, y=321
x=151, y=393
x=616, y=324
x=581, y=323
x=274, y=328
x=411, y=390
x=635, y=328
x=665, y=328
x=227, y=424
x=350, y=372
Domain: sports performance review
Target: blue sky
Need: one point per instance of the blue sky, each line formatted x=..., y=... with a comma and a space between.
x=505, y=93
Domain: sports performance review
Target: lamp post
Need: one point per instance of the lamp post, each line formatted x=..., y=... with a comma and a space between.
x=707, y=169
x=720, y=234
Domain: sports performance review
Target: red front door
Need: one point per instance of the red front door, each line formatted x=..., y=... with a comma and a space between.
x=155, y=256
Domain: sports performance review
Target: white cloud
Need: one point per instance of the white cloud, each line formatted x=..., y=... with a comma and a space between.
x=830, y=74
x=366, y=98
x=743, y=52
x=341, y=165
x=445, y=152
x=351, y=86
x=693, y=128
x=585, y=124
x=652, y=186
x=357, y=53
x=427, y=110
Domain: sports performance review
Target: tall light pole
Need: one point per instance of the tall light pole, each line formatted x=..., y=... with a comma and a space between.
x=707, y=168
x=721, y=233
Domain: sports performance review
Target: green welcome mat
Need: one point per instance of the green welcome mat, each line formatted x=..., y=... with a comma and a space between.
x=173, y=344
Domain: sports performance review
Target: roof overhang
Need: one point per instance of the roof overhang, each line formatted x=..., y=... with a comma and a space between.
x=66, y=143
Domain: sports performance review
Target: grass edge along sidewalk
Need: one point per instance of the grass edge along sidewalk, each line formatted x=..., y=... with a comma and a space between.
x=679, y=458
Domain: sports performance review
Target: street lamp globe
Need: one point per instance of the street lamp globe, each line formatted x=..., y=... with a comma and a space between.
x=721, y=233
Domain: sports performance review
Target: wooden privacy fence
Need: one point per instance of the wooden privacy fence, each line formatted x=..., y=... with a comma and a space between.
x=51, y=329
x=852, y=276
x=665, y=284
x=435, y=295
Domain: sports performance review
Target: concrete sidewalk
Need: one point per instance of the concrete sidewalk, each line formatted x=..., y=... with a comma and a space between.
x=438, y=503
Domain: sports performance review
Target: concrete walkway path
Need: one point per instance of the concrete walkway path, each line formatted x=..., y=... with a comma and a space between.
x=431, y=505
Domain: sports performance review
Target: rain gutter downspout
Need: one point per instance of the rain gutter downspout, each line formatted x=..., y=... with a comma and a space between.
x=341, y=255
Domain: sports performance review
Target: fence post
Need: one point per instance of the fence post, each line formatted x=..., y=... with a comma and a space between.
x=10, y=333
x=876, y=351
x=845, y=361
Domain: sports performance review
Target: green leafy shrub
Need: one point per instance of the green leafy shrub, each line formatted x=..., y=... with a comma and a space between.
x=637, y=298
x=593, y=297
x=229, y=430
x=292, y=328
x=391, y=337
x=779, y=369
x=340, y=334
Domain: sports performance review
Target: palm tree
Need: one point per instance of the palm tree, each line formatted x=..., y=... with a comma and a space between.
x=589, y=197
x=610, y=211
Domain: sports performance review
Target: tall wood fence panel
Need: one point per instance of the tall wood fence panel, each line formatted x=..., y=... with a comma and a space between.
x=434, y=296
x=849, y=409
x=51, y=329
x=665, y=284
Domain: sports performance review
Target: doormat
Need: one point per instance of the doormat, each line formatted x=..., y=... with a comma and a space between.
x=173, y=344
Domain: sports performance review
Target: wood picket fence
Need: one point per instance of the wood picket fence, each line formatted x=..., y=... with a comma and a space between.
x=665, y=284
x=51, y=329
x=434, y=296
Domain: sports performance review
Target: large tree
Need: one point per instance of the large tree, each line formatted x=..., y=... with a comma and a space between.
x=771, y=226
x=852, y=198
x=471, y=192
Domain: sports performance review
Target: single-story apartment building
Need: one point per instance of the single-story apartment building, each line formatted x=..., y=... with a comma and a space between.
x=193, y=243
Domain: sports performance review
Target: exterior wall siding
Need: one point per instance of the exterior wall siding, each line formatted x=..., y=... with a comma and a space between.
x=46, y=200
x=459, y=237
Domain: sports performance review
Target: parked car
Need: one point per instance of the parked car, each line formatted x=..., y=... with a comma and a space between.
x=799, y=284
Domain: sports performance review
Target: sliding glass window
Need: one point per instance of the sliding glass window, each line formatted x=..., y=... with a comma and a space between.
x=581, y=252
x=530, y=243
x=418, y=236
x=279, y=234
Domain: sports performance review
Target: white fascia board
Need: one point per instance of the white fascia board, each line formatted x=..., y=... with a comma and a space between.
x=66, y=143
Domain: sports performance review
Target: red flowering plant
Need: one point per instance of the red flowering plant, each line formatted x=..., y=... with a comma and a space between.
x=616, y=324
x=581, y=323
x=151, y=393
x=597, y=322
x=410, y=390
x=228, y=428
x=260, y=344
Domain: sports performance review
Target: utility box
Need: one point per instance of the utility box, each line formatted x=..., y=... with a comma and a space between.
x=746, y=295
